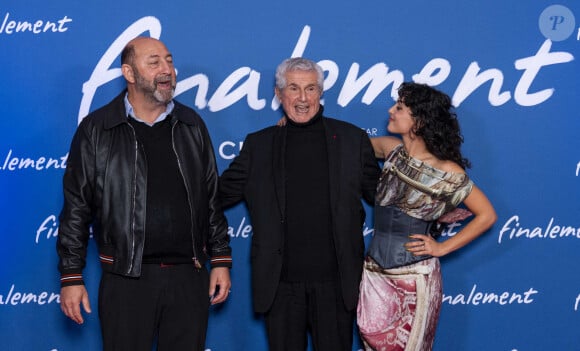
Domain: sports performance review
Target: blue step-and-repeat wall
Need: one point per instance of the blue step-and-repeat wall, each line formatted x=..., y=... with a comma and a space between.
x=510, y=66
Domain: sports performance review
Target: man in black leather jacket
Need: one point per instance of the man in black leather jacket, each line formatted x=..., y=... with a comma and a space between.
x=141, y=170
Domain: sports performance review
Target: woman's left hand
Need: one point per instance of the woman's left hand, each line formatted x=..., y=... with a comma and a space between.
x=422, y=244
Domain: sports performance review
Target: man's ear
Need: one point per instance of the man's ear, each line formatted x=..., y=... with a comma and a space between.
x=128, y=73
x=277, y=92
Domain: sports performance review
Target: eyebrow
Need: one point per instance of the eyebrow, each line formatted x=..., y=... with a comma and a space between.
x=153, y=56
x=308, y=86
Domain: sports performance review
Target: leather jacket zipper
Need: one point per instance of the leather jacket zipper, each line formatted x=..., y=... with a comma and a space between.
x=134, y=200
x=187, y=190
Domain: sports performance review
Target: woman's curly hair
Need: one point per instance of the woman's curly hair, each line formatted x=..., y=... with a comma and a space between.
x=435, y=121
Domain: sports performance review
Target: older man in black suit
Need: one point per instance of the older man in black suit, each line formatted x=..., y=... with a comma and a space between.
x=303, y=184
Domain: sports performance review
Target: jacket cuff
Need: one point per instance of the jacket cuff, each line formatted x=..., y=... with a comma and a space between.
x=71, y=278
x=221, y=261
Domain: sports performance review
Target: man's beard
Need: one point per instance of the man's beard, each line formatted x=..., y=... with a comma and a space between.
x=150, y=88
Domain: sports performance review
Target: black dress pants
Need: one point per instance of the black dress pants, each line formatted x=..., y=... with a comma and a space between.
x=166, y=305
x=317, y=307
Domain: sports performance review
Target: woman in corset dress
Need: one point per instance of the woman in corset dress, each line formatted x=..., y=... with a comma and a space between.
x=422, y=182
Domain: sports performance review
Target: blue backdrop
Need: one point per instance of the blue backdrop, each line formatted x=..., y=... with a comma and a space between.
x=510, y=67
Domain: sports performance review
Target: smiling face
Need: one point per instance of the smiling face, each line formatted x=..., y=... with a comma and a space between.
x=151, y=72
x=401, y=121
x=300, y=97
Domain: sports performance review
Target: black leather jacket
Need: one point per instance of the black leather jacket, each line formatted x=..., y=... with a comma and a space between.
x=105, y=185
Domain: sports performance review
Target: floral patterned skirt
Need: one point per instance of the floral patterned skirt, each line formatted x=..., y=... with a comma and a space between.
x=398, y=308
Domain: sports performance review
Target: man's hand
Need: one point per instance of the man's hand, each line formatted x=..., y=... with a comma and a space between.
x=71, y=298
x=219, y=277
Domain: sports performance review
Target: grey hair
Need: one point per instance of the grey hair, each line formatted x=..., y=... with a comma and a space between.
x=298, y=64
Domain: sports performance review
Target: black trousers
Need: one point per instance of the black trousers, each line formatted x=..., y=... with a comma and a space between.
x=167, y=306
x=317, y=307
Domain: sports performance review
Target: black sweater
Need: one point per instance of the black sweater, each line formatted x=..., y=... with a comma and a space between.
x=309, y=247
x=168, y=234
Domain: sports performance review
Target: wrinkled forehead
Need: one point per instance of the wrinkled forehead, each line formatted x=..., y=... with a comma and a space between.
x=299, y=75
x=146, y=47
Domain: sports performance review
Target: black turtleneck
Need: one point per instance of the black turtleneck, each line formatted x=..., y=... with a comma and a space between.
x=309, y=246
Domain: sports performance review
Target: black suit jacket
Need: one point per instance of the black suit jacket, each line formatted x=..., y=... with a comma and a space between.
x=257, y=176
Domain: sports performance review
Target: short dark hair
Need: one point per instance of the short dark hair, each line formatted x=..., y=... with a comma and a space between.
x=128, y=54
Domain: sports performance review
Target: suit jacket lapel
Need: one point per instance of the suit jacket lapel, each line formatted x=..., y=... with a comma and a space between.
x=279, y=168
x=333, y=150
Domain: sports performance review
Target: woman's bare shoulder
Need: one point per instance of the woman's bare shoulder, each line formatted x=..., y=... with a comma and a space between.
x=449, y=166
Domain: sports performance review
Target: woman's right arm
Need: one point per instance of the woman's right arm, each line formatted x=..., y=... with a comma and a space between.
x=383, y=145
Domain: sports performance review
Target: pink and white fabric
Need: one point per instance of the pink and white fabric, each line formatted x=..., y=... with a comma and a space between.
x=399, y=308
